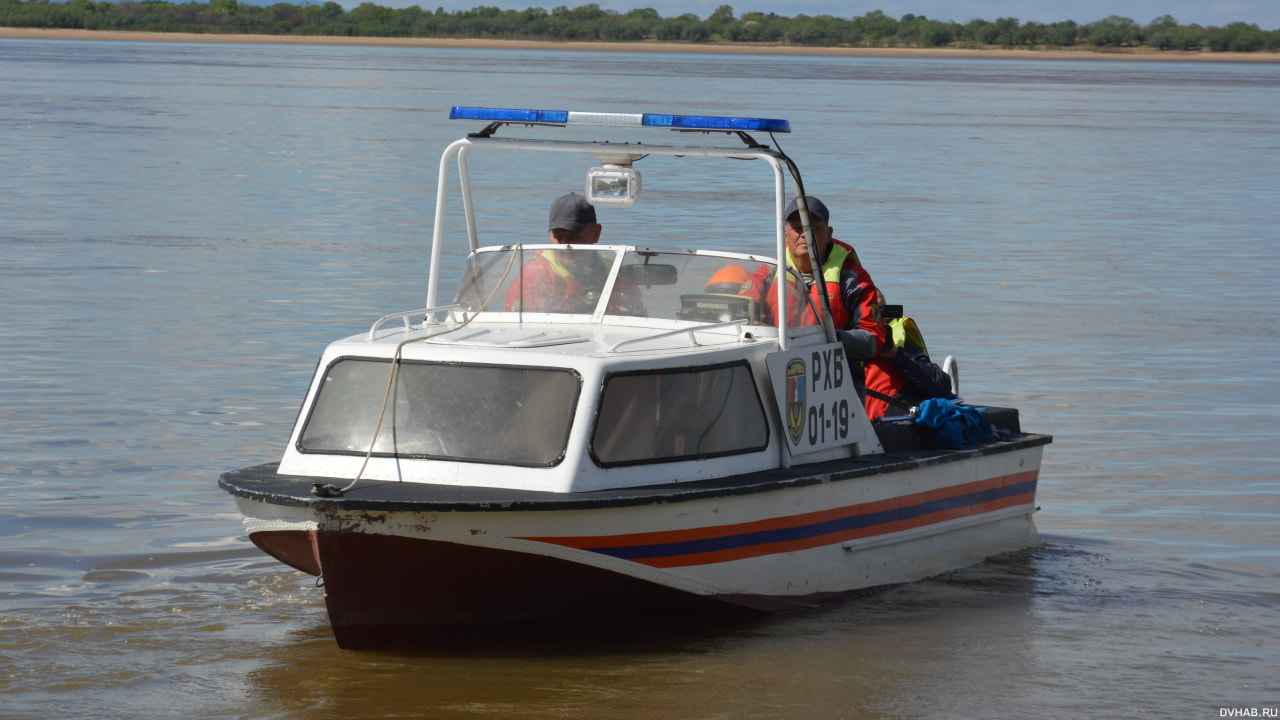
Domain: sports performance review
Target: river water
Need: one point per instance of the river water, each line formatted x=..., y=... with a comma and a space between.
x=184, y=226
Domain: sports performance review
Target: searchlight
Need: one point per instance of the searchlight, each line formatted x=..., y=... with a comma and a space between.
x=614, y=185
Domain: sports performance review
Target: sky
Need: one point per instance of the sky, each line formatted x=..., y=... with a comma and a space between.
x=1264, y=13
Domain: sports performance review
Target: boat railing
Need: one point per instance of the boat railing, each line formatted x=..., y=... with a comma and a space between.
x=693, y=340
x=406, y=314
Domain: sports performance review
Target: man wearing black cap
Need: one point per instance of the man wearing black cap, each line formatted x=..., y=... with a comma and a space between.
x=894, y=375
x=564, y=281
x=573, y=221
x=855, y=301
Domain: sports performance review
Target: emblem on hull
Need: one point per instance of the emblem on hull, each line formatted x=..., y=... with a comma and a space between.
x=795, y=400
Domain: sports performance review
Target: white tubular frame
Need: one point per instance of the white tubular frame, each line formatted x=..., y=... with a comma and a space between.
x=463, y=146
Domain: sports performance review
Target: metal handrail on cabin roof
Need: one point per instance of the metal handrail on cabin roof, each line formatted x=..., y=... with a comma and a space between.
x=406, y=314
x=671, y=333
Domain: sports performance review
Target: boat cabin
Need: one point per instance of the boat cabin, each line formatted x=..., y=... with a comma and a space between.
x=646, y=366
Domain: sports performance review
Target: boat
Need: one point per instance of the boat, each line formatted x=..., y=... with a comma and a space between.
x=658, y=447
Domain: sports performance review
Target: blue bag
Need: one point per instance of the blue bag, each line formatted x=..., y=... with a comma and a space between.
x=950, y=425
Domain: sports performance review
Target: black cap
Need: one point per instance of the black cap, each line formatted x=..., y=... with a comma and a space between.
x=815, y=208
x=571, y=212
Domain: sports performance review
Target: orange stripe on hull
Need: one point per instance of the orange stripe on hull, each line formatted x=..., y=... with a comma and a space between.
x=723, y=543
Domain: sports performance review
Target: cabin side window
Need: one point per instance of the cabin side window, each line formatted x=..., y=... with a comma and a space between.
x=471, y=413
x=678, y=414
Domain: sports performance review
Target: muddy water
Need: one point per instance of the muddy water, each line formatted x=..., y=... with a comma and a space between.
x=185, y=226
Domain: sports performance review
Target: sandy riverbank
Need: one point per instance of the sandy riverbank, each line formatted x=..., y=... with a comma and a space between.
x=992, y=52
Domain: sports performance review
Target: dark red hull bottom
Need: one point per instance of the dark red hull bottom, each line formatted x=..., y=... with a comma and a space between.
x=386, y=590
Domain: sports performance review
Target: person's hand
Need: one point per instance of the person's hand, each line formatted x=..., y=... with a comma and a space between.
x=890, y=348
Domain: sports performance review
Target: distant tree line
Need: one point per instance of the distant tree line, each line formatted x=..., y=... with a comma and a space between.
x=590, y=22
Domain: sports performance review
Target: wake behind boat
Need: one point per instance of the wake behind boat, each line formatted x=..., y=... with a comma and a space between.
x=655, y=443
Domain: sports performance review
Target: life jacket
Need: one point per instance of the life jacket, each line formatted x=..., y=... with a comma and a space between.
x=799, y=312
x=568, y=293
x=888, y=390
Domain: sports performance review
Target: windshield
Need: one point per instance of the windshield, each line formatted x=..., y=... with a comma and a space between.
x=578, y=279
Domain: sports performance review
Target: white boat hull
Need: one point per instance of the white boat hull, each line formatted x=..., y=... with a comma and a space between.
x=810, y=539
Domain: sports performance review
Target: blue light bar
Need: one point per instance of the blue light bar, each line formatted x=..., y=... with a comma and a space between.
x=569, y=117
x=710, y=122
x=552, y=117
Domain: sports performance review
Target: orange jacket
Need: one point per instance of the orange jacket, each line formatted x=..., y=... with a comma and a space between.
x=855, y=301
